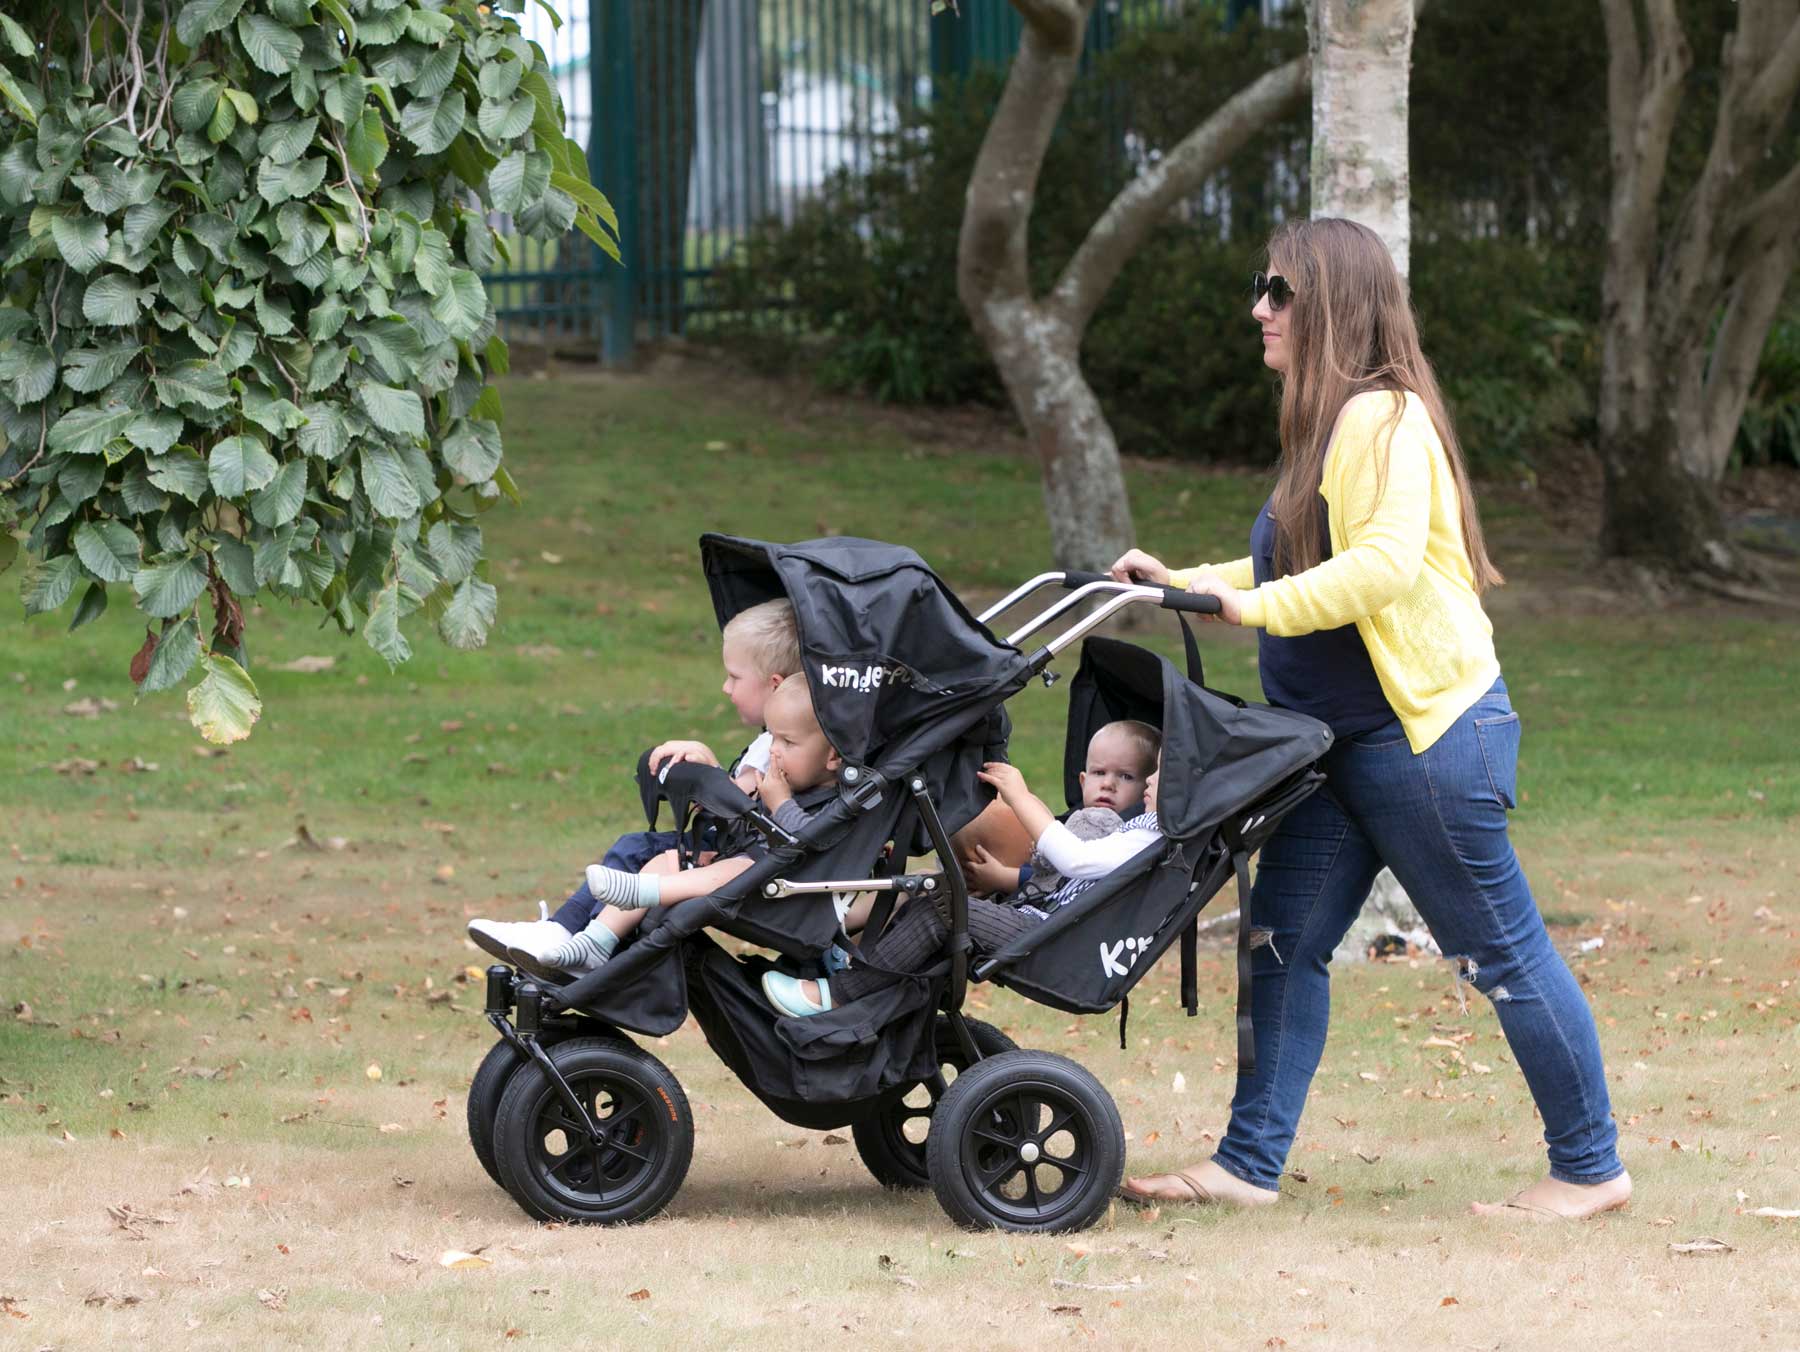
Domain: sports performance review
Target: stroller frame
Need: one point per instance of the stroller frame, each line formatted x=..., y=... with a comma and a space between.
x=580, y=1124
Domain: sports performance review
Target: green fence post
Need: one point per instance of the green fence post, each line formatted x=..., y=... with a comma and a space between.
x=612, y=163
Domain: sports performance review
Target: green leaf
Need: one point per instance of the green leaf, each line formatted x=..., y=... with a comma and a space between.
x=200, y=17
x=502, y=120
x=223, y=121
x=520, y=179
x=588, y=196
x=142, y=498
x=144, y=222
x=81, y=240
x=200, y=383
x=30, y=370
x=499, y=356
x=224, y=706
x=547, y=123
x=439, y=70
x=272, y=46
x=500, y=77
x=366, y=142
x=176, y=652
x=182, y=472
x=115, y=299
x=236, y=564
x=109, y=549
x=243, y=103
x=239, y=465
x=337, y=11
x=472, y=450
x=286, y=141
x=398, y=412
x=92, y=607
x=24, y=98
x=18, y=39
x=165, y=590
x=382, y=630
x=432, y=124
x=155, y=432
x=323, y=436
x=193, y=103
x=455, y=547
x=89, y=370
x=79, y=477
x=89, y=429
x=462, y=306
x=470, y=614
x=48, y=585
x=274, y=313
x=9, y=549
x=280, y=502
x=275, y=415
x=431, y=261
x=391, y=490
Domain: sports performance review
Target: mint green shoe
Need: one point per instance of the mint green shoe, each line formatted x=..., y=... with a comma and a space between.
x=784, y=993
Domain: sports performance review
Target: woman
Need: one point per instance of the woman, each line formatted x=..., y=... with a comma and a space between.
x=1364, y=579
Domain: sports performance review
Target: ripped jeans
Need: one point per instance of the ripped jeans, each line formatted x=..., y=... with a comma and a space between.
x=1438, y=820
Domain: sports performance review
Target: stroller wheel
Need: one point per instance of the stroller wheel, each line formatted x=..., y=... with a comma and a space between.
x=485, y=1089
x=892, y=1141
x=1026, y=1141
x=645, y=1135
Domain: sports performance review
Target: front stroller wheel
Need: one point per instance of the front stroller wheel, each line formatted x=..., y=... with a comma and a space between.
x=628, y=1169
x=892, y=1141
x=1026, y=1141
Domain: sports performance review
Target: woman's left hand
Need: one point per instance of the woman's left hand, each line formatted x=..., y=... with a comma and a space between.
x=1209, y=583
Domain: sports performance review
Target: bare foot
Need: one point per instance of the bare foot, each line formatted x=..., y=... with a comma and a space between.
x=1199, y=1184
x=1550, y=1199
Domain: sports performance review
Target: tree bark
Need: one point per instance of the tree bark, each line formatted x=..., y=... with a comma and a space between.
x=1035, y=342
x=1686, y=310
x=1362, y=63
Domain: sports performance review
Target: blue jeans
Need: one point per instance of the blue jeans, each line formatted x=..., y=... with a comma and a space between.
x=629, y=853
x=1438, y=820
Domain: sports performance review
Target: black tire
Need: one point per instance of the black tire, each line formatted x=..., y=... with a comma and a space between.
x=485, y=1089
x=892, y=1141
x=637, y=1169
x=1026, y=1141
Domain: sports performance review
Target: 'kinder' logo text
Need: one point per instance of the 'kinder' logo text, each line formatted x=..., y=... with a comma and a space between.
x=864, y=680
x=1111, y=966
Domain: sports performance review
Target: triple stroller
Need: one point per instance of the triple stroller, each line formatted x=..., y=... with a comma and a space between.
x=580, y=1124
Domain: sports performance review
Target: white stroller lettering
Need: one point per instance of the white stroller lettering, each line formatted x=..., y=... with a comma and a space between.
x=1109, y=954
x=864, y=680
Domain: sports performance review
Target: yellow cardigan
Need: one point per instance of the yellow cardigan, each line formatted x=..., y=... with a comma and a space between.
x=1398, y=570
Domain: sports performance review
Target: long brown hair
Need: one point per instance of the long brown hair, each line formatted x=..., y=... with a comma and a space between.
x=1350, y=330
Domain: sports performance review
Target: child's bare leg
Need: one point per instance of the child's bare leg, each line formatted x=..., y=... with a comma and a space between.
x=662, y=882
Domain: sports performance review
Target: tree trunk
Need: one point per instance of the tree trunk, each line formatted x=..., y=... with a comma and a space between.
x=666, y=34
x=1362, y=62
x=1034, y=341
x=1687, y=307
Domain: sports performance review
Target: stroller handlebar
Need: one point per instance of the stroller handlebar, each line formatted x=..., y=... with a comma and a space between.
x=1084, y=586
x=1173, y=598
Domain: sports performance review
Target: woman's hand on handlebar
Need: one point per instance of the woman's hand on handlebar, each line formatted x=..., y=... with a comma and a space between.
x=1208, y=583
x=1136, y=566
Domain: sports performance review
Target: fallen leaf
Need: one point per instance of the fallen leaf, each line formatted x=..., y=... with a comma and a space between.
x=1065, y=1309
x=388, y=1128
x=1368, y=1075
x=1704, y=1245
x=642, y=1293
x=456, y=1258
x=400, y=1182
x=275, y=1297
x=1776, y=1213
x=833, y=1138
x=374, y=1070
x=1449, y=1300
x=1180, y=1083
x=306, y=666
x=401, y=1255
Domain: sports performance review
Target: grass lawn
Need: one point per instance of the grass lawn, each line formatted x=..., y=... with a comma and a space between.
x=232, y=1066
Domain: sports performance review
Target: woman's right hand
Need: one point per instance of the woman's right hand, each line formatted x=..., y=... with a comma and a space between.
x=1136, y=566
x=681, y=750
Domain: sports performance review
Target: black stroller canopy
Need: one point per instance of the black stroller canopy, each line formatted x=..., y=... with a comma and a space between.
x=898, y=666
x=1218, y=754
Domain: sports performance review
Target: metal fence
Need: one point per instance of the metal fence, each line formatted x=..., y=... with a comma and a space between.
x=704, y=118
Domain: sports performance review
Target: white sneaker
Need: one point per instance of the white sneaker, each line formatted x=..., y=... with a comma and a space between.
x=499, y=936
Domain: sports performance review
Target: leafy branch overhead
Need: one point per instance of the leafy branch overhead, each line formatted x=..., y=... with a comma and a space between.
x=244, y=344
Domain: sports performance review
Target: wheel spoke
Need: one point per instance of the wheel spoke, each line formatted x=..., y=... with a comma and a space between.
x=1031, y=1190
x=998, y=1175
x=613, y=1143
x=1066, y=1166
x=989, y=1134
x=599, y=1172
x=1029, y=1109
x=576, y=1131
x=563, y=1163
x=1058, y=1120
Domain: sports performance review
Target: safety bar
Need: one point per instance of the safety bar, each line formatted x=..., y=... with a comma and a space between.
x=912, y=882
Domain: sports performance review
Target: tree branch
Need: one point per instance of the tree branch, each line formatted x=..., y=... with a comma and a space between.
x=1143, y=201
x=1058, y=22
x=991, y=250
x=1772, y=91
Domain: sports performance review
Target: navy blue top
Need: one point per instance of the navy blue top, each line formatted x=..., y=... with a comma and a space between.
x=1327, y=673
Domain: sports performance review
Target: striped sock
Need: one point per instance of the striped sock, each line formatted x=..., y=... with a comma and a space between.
x=627, y=891
x=588, y=949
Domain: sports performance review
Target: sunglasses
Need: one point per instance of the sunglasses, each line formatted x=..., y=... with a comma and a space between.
x=1275, y=287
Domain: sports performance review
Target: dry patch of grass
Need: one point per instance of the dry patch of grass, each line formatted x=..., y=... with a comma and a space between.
x=196, y=1153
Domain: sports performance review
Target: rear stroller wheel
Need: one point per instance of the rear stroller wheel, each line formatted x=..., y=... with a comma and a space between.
x=485, y=1089
x=892, y=1141
x=1026, y=1141
x=644, y=1146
